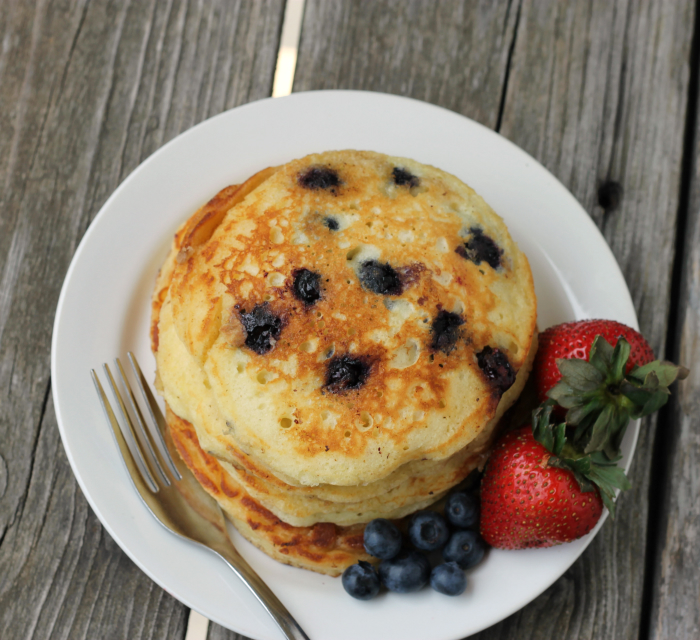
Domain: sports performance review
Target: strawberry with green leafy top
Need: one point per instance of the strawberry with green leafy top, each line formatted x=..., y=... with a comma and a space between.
x=538, y=491
x=602, y=394
x=544, y=483
x=574, y=340
x=527, y=503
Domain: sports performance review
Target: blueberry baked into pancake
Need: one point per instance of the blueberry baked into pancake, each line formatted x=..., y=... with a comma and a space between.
x=336, y=340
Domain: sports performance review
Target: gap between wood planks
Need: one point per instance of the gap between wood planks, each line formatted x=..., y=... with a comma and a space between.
x=659, y=476
x=509, y=60
x=197, y=624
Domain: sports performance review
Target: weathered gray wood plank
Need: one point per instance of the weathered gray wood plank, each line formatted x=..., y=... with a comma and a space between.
x=64, y=576
x=452, y=53
x=597, y=92
x=88, y=90
x=217, y=632
x=675, y=611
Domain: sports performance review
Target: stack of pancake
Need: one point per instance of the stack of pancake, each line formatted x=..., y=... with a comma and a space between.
x=336, y=340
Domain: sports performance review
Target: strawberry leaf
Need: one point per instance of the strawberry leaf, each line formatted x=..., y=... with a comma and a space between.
x=601, y=355
x=601, y=399
x=608, y=476
x=645, y=401
x=657, y=400
x=621, y=354
x=580, y=468
x=551, y=436
x=596, y=470
x=564, y=395
x=582, y=433
x=647, y=387
x=665, y=371
x=559, y=438
x=600, y=433
x=591, y=470
x=578, y=413
x=580, y=375
x=541, y=427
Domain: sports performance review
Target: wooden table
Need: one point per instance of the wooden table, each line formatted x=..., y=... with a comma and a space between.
x=604, y=93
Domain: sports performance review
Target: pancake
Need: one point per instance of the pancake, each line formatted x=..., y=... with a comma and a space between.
x=323, y=548
x=341, y=317
x=337, y=340
x=411, y=487
x=302, y=507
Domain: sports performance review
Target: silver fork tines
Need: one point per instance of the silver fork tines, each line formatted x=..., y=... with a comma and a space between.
x=163, y=484
x=127, y=431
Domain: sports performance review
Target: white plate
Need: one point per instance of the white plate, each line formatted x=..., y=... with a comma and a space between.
x=104, y=306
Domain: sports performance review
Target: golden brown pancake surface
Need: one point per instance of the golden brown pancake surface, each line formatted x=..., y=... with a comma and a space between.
x=342, y=316
x=323, y=547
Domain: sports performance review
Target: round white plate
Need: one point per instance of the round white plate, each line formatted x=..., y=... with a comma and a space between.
x=104, y=307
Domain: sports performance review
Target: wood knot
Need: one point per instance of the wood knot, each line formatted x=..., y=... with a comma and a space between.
x=610, y=195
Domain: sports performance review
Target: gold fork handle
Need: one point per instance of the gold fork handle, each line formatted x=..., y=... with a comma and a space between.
x=279, y=613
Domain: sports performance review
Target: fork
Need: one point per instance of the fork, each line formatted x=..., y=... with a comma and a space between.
x=162, y=484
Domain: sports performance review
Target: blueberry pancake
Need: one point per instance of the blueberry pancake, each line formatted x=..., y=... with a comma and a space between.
x=322, y=547
x=343, y=333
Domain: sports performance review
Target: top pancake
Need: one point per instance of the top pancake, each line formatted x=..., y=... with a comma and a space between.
x=343, y=315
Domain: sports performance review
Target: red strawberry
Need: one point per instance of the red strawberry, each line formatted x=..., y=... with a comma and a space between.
x=574, y=340
x=605, y=387
x=526, y=503
x=546, y=484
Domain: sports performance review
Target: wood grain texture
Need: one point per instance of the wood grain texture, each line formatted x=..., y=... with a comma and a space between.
x=450, y=53
x=597, y=92
x=676, y=598
x=64, y=577
x=217, y=632
x=87, y=91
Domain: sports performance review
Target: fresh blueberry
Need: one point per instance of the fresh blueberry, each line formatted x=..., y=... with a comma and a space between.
x=462, y=509
x=381, y=278
x=449, y=579
x=428, y=531
x=409, y=571
x=331, y=223
x=382, y=539
x=466, y=548
x=316, y=178
x=361, y=581
x=262, y=328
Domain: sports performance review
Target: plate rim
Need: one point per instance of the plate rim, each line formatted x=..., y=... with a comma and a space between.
x=154, y=158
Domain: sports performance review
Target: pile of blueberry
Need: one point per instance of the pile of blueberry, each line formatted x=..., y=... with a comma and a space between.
x=408, y=568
